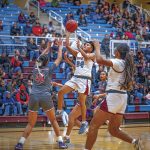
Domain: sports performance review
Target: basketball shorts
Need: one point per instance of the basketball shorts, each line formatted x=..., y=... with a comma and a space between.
x=114, y=103
x=80, y=84
x=40, y=101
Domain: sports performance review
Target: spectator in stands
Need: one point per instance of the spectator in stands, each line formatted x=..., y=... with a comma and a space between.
x=102, y=83
x=105, y=45
x=42, y=46
x=88, y=10
x=29, y=84
x=129, y=34
x=2, y=73
x=17, y=61
x=4, y=3
x=77, y=2
x=9, y=104
x=145, y=32
x=147, y=98
x=42, y=3
x=1, y=25
x=139, y=37
x=70, y=74
x=45, y=32
x=80, y=11
x=12, y=86
x=125, y=4
x=55, y=3
x=22, y=18
x=68, y=17
x=23, y=97
x=37, y=29
x=5, y=62
x=27, y=29
x=82, y=20
x=50, y=27
x=32, y=49
x=15, y=30
x=32, y=18
x=54, y=49
x=3, y=88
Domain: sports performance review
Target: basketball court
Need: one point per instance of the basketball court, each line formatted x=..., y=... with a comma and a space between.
x=43, y=138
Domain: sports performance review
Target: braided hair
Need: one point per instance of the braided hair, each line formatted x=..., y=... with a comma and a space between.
x=129, y=69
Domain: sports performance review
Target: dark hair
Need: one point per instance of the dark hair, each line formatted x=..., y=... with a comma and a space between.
x=129, y=69
x=42, y=61
x=92, y=45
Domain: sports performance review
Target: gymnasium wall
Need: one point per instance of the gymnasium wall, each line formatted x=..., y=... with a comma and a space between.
x=21, y=3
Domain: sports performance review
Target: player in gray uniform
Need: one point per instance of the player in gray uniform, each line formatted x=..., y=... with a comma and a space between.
x=41, y=97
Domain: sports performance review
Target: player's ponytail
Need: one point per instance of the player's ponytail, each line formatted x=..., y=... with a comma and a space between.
x=129, y=69
x=41, y=62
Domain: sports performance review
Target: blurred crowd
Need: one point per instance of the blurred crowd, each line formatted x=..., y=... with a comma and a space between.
x=130, y=23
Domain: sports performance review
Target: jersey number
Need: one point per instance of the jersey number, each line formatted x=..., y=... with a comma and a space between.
x=80, y=64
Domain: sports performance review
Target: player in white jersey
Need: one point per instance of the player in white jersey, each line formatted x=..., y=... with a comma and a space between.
x=81, y=81
x=120, y=79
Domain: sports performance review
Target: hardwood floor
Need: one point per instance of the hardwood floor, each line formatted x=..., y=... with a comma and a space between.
x=44, y=139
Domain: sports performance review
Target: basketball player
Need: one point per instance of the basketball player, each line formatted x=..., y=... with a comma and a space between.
x=81, y=81
x=120, y=79
x=92, y=103
x=41, y=97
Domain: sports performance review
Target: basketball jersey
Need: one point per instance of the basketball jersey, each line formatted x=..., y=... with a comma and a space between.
x=42, y=80
x=83, y=67
x=116, y=75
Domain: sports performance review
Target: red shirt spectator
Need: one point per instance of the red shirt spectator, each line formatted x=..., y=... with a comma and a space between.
x=22, y=95
x=42, y=3
x=129, y=35
x=37, y=30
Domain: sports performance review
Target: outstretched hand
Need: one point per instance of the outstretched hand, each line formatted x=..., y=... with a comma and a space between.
x=78, y=44
x=96, y=44
x=65, y=57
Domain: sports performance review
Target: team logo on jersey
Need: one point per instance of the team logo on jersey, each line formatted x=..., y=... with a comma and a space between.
x=39, y=78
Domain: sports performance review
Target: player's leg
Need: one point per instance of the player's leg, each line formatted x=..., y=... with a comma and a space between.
x=52, y=117
x=32, y=117
x=84, y=125
x=75, y=113
x=99, y=119
x=64, y=90
x=114, y=124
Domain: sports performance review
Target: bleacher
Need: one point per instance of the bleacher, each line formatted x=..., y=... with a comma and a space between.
x=97, y=29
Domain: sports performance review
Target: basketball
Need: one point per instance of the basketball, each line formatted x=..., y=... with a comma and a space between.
x=71, y=25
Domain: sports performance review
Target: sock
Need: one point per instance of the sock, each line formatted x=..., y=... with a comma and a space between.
x=22, y=140
x=59, y=139
x=133, y=141
x=59, y=111
x=67, y=137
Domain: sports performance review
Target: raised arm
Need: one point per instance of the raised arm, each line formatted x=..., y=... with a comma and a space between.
x=72, y=51
x=85, y=55
x=59, y=56
x=99, y=59
x=46, y=51
x=68, y=61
